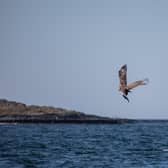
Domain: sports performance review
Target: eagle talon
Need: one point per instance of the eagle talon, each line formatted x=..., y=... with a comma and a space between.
x=125, y=97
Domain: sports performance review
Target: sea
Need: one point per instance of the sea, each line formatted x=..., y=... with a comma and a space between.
x=129, y=145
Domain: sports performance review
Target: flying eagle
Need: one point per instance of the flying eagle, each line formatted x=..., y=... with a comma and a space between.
x=124, y=88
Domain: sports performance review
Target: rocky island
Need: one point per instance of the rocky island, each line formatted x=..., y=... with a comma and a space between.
x=11, y=111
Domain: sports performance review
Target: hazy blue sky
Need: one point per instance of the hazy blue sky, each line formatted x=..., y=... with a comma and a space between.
x=67, y=53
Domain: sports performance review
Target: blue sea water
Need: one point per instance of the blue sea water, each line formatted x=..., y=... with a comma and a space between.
x=84, y=145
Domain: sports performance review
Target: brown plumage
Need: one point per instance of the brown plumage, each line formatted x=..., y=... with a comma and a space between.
x=124, y=88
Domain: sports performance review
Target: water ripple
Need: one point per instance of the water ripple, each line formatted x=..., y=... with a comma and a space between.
x=61, y=145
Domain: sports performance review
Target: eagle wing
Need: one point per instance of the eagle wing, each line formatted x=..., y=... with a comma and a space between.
x=137, y=83
x=123, y=76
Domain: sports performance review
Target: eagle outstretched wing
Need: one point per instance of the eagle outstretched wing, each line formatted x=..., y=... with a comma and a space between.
x=137, y=83
x=123, y=76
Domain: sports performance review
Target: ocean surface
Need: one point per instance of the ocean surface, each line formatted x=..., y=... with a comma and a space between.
x=84, y=145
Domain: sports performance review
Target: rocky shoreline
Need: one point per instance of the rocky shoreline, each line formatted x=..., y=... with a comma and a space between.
x=15, y=112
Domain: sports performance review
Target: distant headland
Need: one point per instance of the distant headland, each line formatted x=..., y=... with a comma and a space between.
x=15, y=112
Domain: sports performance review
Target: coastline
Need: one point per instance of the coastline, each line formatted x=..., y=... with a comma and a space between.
x=16, y=112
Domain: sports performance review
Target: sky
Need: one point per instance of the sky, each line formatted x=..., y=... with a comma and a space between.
x=67, y=53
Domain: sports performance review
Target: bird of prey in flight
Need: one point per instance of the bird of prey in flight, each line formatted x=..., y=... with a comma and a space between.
x=124, y=88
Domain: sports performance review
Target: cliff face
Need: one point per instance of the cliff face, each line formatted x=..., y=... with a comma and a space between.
x=11, y=111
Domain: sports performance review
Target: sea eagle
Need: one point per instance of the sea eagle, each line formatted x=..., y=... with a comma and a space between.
x=124, y=88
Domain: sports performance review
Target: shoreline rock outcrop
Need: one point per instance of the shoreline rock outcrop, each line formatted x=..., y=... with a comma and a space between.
x=11, y=111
